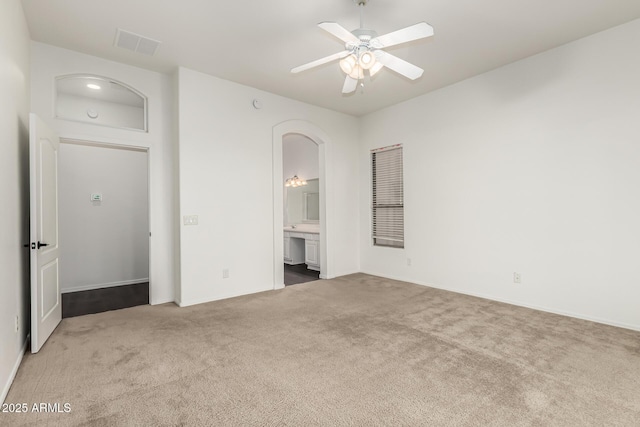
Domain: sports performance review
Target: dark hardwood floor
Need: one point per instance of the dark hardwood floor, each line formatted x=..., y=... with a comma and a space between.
x=294, y=274
x=105, y=299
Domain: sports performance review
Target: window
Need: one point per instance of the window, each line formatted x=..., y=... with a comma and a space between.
x=388, y=197
x=100, y=101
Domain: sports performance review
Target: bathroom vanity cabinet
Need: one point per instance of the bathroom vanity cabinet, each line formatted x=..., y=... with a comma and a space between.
x=293, y=250
x=311, y=255
x=302, y=247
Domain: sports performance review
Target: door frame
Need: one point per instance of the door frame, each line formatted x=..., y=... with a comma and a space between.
x=115, y=144
x=322, y=140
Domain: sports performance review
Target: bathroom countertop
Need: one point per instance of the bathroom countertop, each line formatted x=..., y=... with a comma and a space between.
x=305, y=228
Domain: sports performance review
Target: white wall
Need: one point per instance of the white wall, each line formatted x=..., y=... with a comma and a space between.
x=14, y=189
x=299, y=157
x=530, y=168
x=103, y=243
x=226, y=178
x=47, y=62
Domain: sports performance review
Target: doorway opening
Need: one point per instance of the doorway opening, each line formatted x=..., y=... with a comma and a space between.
x=300, y=167
x=312, y=247
x=104, y=227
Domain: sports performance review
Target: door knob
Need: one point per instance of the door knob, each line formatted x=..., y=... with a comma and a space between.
x=40, y=244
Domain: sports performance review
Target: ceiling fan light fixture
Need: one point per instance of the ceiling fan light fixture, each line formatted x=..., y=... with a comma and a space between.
x=367, y=59
x=357, y=73
x=364, y=50
x=349, y=64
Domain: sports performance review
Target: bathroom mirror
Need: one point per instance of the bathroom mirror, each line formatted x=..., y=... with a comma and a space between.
x=101, y=101
x=303, y=203
x=311, y=207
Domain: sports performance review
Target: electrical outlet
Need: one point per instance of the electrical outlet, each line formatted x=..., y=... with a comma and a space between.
x=190, y=219
x=17, y=327
x=517, y=278
x=409, y=261
x=225, y=273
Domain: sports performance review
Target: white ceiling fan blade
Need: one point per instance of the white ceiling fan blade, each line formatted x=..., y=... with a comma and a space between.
x=339, y=31
x=398, y=65
x=376, y=67
x=414, y=32
x=350, y=84
x=320, y=61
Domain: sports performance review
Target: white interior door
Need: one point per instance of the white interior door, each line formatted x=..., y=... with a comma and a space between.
x=46, y=304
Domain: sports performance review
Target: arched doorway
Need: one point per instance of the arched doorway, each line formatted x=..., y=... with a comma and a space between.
x=318, y=136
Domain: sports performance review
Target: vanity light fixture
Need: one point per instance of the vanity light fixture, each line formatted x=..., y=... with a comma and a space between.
x=294, y=181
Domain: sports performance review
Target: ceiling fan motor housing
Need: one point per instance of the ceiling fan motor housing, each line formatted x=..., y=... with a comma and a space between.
x=364, y=34
x=365, y=37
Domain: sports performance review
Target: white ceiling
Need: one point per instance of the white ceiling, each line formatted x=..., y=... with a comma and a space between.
x=256, y=43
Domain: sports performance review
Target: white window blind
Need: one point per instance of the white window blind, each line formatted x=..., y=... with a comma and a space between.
x=388, y=197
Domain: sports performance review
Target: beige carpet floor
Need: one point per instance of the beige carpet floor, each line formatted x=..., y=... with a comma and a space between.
x=357, y=350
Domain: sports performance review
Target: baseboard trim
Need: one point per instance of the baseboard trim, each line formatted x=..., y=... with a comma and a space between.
x=161, y=301
x=14, y=371
x=516, y=303
x=341, y=274
x=103, y=285
x=188, y=303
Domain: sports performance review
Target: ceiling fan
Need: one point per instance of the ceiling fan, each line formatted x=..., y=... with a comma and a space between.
x=364, y=51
